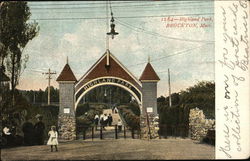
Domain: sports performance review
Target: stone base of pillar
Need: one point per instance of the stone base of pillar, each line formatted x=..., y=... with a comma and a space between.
x=149, y=130
x=67, y=127
x=144, y=128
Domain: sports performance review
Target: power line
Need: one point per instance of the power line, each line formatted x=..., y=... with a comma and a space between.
x=130, y=10
x=177, y=53
x=148, y=16
x=121, y=6
x=159, y=35
x=84, y=3
x=114, y=2
x=133, y=65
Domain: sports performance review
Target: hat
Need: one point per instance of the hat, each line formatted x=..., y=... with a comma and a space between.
x=53, y=127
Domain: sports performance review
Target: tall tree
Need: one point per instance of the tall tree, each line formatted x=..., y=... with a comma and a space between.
x=15, y=33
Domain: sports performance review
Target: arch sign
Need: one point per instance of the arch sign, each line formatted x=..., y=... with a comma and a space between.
x=135, y=92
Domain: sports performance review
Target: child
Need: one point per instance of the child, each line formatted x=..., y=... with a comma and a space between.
x=53, y=138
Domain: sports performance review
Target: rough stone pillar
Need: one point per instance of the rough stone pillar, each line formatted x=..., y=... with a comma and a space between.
x=149, y=114
x=149, y=121
x=66, y=118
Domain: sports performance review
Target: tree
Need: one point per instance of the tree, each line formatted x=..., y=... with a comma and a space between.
x=15, y=33
x=201, y=95
x=54, y=94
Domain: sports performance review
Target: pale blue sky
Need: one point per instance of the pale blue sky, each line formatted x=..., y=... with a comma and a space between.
x=141, y=34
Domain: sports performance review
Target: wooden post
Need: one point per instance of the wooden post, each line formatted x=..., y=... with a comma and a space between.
x=101, y=132
x=159, y=132
x=169, y=87
x=92, y=133
x=83, y=134
x=116, y=136
x=175, y=133
x=124, y=132
x=132, y=133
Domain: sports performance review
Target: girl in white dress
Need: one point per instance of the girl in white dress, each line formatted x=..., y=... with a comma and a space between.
x=53, y=135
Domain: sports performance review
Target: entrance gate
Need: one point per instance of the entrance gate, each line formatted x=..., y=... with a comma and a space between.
x=106, y=71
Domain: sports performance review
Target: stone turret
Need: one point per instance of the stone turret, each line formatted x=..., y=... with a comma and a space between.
x=149, y=80
x=148, y=123
x=66, y=119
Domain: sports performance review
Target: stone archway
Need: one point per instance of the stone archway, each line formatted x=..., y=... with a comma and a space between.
x=106, y=71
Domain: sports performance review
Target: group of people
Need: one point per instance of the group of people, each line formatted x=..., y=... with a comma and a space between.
x=33, y=135
x=9, y=137
x=103, y=120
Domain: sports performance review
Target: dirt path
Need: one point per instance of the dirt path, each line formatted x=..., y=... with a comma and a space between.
x=114, y=149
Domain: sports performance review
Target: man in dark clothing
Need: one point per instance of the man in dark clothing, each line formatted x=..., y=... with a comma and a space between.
x=39, y=131
x=28, y=131
x=110, y=119
x=96, y=120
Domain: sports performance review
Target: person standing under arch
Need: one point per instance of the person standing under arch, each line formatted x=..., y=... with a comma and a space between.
x=96, y=120
x=110, y=119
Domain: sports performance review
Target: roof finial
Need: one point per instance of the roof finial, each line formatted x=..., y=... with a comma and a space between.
x=67, y=60
x=108, y=54
x=149, y=59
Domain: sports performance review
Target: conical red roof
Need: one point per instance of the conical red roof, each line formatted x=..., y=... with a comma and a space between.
x=66, y=74
x=149, y=74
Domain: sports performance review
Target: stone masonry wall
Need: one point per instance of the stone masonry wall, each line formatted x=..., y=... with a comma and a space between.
x=153, y=124
x=199, y=125
x=67, y=127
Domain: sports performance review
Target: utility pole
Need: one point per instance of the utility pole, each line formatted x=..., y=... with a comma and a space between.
x=170, y=103
x=49, y=73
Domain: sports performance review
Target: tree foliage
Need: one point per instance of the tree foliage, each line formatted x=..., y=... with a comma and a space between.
x=23, y=111
x=201, y=95
x=15, y=33
x=108, y=94
x=41, y=96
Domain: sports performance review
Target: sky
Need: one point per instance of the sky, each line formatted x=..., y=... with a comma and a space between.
x=77, y=30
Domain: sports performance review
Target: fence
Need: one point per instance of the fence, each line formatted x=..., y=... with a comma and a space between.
x=180, y=130
x=108, y=132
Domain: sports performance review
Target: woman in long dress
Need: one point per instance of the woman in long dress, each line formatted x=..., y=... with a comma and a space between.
x=53, y=135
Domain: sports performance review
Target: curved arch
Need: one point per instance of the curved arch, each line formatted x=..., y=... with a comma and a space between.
x=109, y=83
x=106, y=78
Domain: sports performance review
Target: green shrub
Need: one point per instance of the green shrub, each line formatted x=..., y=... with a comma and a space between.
x=85, y=117
x=23, y=110
x=132, y=119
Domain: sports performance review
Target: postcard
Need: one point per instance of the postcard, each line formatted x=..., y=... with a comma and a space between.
x=133, y=80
